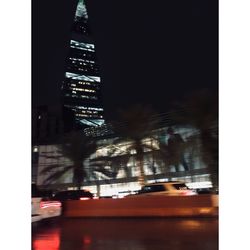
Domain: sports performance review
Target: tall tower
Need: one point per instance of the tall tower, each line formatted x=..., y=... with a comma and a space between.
x=81, y=88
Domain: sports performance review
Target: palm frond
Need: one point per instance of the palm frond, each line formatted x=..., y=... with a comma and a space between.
x=49, y=168
x=57, y=174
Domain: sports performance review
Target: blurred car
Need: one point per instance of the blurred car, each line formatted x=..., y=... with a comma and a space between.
x=175, y=188
x=205, y=191
x=43, y=207
x=73, y=195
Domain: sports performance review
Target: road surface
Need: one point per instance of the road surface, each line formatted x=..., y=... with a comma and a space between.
x=126, y=234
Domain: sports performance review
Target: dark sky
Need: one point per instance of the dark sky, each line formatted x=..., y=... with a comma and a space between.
x=152, y=52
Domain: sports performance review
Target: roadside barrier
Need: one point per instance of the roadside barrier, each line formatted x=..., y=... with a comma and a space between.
x=153, y=206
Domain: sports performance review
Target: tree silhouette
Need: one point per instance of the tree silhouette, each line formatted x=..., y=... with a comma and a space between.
x=200, y=111
x=135, y=124
x=77, y=148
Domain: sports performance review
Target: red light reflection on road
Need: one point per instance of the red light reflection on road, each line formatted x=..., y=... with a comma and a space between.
x=48, y=242
x=86, y=240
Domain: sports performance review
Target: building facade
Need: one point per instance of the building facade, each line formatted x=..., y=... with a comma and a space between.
x=124, y=168
x=81, y=89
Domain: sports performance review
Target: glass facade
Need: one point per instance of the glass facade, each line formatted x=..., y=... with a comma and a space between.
x=81, y=88
x=124, y=167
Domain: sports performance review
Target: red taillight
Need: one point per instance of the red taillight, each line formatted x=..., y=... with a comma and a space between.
x=187, y=192
x=45, y=204
x=84, y=198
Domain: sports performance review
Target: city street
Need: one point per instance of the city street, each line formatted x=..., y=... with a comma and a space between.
x=126, y=234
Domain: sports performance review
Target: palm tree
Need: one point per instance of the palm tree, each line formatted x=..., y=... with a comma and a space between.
x=111, y=164
x=77, y=148
x=171, y=156
x=200, y=111
x=135, y=124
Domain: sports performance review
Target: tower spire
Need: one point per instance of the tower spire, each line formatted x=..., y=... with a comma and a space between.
x=81, y=89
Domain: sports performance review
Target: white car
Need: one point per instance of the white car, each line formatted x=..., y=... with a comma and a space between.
x=174, y=188
x=43, y=208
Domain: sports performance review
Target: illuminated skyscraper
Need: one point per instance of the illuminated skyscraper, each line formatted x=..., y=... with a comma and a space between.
x=82, y=83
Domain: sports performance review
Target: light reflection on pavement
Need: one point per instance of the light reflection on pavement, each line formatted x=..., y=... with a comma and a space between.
x=126, y=234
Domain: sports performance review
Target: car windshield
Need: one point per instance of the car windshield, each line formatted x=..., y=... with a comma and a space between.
x=180, y=186
x=72, y=194
x=152, y=188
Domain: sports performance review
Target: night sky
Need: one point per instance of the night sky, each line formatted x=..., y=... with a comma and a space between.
x=150, y=52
